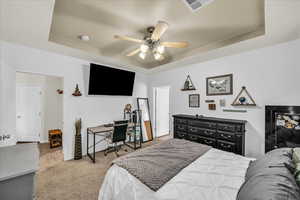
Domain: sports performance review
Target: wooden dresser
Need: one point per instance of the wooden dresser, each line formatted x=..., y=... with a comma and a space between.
x=224, y=134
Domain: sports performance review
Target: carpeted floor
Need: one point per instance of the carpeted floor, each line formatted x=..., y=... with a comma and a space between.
x=72, y=180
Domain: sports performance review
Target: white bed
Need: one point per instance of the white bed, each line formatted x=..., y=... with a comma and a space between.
x=217, y=175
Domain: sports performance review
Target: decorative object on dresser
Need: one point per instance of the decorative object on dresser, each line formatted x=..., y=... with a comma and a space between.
x=78, y=147
x=59, y=91
x=222, y=102
x=55, y=138
x=4, y=137
x=77, y=92
x=235, y=110
x=219, y=85
x=282, y=127
x=243, y=99
x=209, y=101
x=194, y=100
x=212, y=106
x=188, y=84
x=224, y=134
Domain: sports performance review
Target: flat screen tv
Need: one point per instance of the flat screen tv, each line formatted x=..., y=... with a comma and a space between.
x=110, y=81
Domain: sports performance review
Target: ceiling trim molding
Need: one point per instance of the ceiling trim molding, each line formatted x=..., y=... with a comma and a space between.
x=210, y=48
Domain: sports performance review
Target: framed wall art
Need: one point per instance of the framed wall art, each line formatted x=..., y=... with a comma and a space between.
x=194, y=100
x=219, y=85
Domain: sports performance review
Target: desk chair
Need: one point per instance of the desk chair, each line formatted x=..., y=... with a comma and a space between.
x=118, y=135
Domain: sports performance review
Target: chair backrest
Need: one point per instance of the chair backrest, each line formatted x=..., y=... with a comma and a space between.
x=119, y=133
x=121, y=122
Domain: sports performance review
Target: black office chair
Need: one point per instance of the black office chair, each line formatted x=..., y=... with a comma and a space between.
x=118, y=135
x=121, y=122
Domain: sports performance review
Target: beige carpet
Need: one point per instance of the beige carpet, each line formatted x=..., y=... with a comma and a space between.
x=72, y=180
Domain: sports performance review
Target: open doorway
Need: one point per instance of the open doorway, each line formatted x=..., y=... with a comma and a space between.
x=162, y=111
x=39, y=113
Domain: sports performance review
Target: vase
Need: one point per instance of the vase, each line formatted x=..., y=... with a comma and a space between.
x=78, y=148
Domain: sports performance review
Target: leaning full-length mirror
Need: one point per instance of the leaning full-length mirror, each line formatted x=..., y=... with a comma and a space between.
x=143, y=105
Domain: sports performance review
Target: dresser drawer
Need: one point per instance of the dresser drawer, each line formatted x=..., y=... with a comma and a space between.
x=226, y=136
x=180, y=135
x=226, y=146
x=180, y=127
x=180, y=121
x=201, y=131
x=207, y=141
x=202, y=124
x=192, y=137
x=226, y=127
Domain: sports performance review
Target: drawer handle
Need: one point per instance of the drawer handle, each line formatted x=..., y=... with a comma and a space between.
x=193, y=130
x=228, y=128
x=208, y=141
x=181, y=135
x=208, y=133
x=225, y=136
x=193, y=137
x=226, y=146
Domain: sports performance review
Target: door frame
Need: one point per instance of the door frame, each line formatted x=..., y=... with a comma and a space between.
x=39, y=113
x=155, y=110
x=63, y=100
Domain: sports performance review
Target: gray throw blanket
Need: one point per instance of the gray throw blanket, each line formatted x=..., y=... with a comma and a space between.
x=156, y=165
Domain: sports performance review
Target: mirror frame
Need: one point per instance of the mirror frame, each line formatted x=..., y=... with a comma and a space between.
x=146, y=99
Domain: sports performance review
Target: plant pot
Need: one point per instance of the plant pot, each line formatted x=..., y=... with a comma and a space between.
x=78, y=148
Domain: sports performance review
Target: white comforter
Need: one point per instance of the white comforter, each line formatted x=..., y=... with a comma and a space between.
x=217, y=175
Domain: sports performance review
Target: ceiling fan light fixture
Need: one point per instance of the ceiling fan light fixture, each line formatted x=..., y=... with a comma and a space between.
x=144, y=48
x=84, y=37
x=160, y=49
x=157, y=56
x=142, y=55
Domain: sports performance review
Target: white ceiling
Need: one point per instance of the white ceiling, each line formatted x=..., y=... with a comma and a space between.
x=28, y=22
x=220, y=21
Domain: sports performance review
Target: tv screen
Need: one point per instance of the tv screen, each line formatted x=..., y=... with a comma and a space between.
x=110, y=81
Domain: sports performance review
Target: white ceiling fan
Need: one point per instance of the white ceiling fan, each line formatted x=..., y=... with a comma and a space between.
x=151, y=42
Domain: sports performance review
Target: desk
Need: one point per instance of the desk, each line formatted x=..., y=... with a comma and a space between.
x=105, y=130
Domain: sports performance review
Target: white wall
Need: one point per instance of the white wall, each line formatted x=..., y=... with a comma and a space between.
x=1, y=93
x=271, y=75
x=93, y=110
x=7, y=95
x=52, y=108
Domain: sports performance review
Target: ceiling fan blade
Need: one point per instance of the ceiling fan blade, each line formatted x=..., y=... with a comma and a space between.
x=128, y=38
x=159, y=30
x=175, y=44
x=134, y=52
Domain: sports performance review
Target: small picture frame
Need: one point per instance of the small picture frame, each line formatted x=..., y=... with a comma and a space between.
x=219, y=85
x=194, y=100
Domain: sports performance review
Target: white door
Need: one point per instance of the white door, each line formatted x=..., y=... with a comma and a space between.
x=162, y=106
x=28, y=109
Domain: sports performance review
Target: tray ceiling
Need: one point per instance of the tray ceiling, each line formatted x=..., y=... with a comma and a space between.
x=221, y=23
